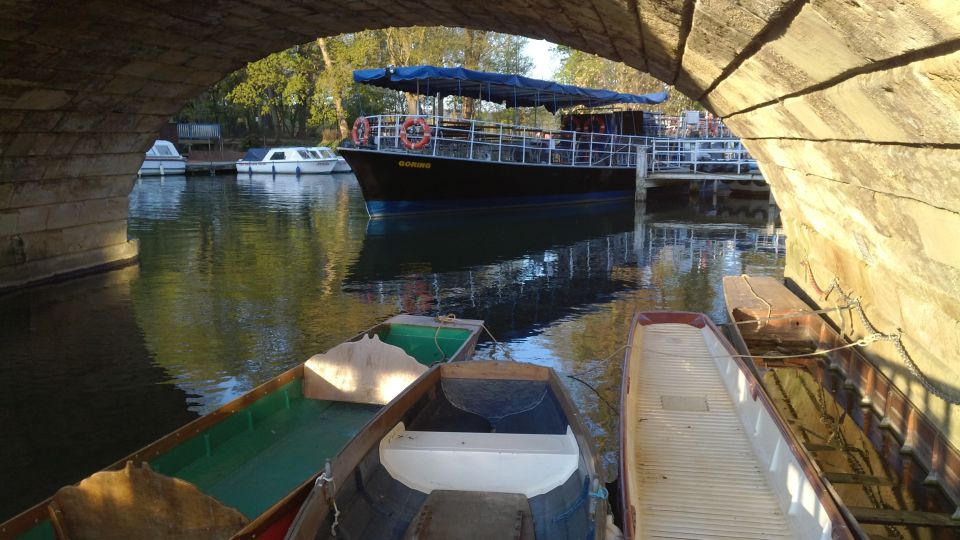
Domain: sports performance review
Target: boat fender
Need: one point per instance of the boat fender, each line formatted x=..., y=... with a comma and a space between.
x=273, y=168
x=361, y=131
x=250, y=170
x=410, y=122
x=298, y=170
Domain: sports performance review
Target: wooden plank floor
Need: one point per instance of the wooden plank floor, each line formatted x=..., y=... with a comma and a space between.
x=698, y=475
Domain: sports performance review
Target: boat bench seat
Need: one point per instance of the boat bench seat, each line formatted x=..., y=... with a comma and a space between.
x=531, y=464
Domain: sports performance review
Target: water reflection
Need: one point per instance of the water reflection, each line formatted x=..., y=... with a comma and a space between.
x=240, y=278
x=78, y=388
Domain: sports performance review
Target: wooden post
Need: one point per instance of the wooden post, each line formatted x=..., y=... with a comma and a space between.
x=641, y=194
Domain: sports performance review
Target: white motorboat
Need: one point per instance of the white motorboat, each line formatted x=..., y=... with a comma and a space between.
x=285, y=160
x=162, y=159
x=341, y=166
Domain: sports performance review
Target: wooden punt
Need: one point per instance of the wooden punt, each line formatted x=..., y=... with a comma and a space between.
x=251, y=453
x=471, y=450
x=703, y=452
x=788, y=325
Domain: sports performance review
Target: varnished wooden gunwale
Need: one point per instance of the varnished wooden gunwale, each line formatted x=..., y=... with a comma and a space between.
x=918, y=435
x=315, y=510
x=826, y=496
x=33, y=516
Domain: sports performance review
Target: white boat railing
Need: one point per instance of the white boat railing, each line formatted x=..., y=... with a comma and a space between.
x=720, y=155
x=479, y=140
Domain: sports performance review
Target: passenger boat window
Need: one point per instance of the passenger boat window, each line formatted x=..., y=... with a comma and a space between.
x=326, y=153
x=278, y=156
x=303, y=154
x=315, y=155
x=164, y=150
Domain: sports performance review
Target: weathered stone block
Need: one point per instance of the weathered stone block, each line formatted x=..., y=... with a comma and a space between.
x=877, y=167
x=827, y=39
x=40, y=193
x=906, y=104
x=661, y=35
x=720, y=31
x=42, y=99
x=30, y=271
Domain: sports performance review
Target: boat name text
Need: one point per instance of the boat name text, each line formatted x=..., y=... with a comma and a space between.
x=414, y=164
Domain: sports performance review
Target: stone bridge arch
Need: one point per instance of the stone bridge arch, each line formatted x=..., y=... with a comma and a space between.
x=851, y=108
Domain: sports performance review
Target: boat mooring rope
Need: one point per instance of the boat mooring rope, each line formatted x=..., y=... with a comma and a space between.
x=450, y=318
x=895, y=339
x=326, y=481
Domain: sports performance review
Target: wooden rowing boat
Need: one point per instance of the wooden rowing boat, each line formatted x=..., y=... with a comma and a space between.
x=471, y=450
x=786, y=325
x=253, y=452
x=703, y=450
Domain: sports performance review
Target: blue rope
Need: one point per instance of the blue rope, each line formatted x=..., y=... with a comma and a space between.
x=601, y=493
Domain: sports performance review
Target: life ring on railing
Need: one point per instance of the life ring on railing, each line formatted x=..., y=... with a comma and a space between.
x=360, y=124
x=407, y=124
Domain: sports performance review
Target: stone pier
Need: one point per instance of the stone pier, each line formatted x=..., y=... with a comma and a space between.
x=851, y=108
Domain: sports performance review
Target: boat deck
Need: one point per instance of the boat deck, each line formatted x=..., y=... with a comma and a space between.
x=698, y=471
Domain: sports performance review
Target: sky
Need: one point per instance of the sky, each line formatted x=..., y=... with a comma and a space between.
x=545, y=63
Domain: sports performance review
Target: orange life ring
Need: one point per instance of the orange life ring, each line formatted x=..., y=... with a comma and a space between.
x=360, y=122
x=408, y=123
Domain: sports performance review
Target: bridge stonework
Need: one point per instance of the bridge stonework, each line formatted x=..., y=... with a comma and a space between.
x=852, y=109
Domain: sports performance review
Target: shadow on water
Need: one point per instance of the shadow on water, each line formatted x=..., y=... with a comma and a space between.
x=240, y=278
x=78, y=387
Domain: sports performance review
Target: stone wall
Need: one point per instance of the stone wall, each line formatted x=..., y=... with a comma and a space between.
x=852, y=108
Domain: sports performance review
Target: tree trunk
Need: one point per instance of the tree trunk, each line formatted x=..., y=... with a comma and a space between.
x=412, y=108
x=337, y=96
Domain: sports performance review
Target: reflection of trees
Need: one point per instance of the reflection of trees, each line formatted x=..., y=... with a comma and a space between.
x=577, y=299
x=246, y=282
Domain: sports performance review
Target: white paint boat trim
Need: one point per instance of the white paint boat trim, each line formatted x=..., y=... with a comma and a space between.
x=494, y=462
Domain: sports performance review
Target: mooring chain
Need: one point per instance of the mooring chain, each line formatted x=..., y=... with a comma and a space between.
x=875, y=335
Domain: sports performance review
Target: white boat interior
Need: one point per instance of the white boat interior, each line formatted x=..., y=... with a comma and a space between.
x=591, y=147
x=527, y=463
x=703, y=457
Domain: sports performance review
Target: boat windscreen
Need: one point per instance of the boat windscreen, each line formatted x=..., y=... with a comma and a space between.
x=506, y=89
x=255, y=154
x=510, y=406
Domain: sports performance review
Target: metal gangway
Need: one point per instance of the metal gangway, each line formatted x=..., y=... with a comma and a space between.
x=480, y=140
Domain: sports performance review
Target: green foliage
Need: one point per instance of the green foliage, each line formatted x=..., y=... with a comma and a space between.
x=583, y=69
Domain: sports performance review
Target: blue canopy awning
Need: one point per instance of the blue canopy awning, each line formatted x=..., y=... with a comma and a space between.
x=510, y=90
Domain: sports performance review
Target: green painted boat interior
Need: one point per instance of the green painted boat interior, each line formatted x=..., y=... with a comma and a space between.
x=257, y=455
x=422, y=342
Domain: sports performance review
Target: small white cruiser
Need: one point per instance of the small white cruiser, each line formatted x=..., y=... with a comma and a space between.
x=286, y=160
x=341, y=166
x=161, y=159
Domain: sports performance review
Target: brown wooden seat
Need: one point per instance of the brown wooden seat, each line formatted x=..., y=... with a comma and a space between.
x=472, y=515
x=139, y=503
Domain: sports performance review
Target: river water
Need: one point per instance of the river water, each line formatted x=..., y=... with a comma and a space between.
x=242, y=278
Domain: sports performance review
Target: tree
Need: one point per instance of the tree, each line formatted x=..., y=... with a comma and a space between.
x=583, y=69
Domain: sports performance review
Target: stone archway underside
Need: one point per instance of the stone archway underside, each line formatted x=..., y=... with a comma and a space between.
x=852, y=108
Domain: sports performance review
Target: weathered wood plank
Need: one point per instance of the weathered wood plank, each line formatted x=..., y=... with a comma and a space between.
x=851, y=478
x=903, y=517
